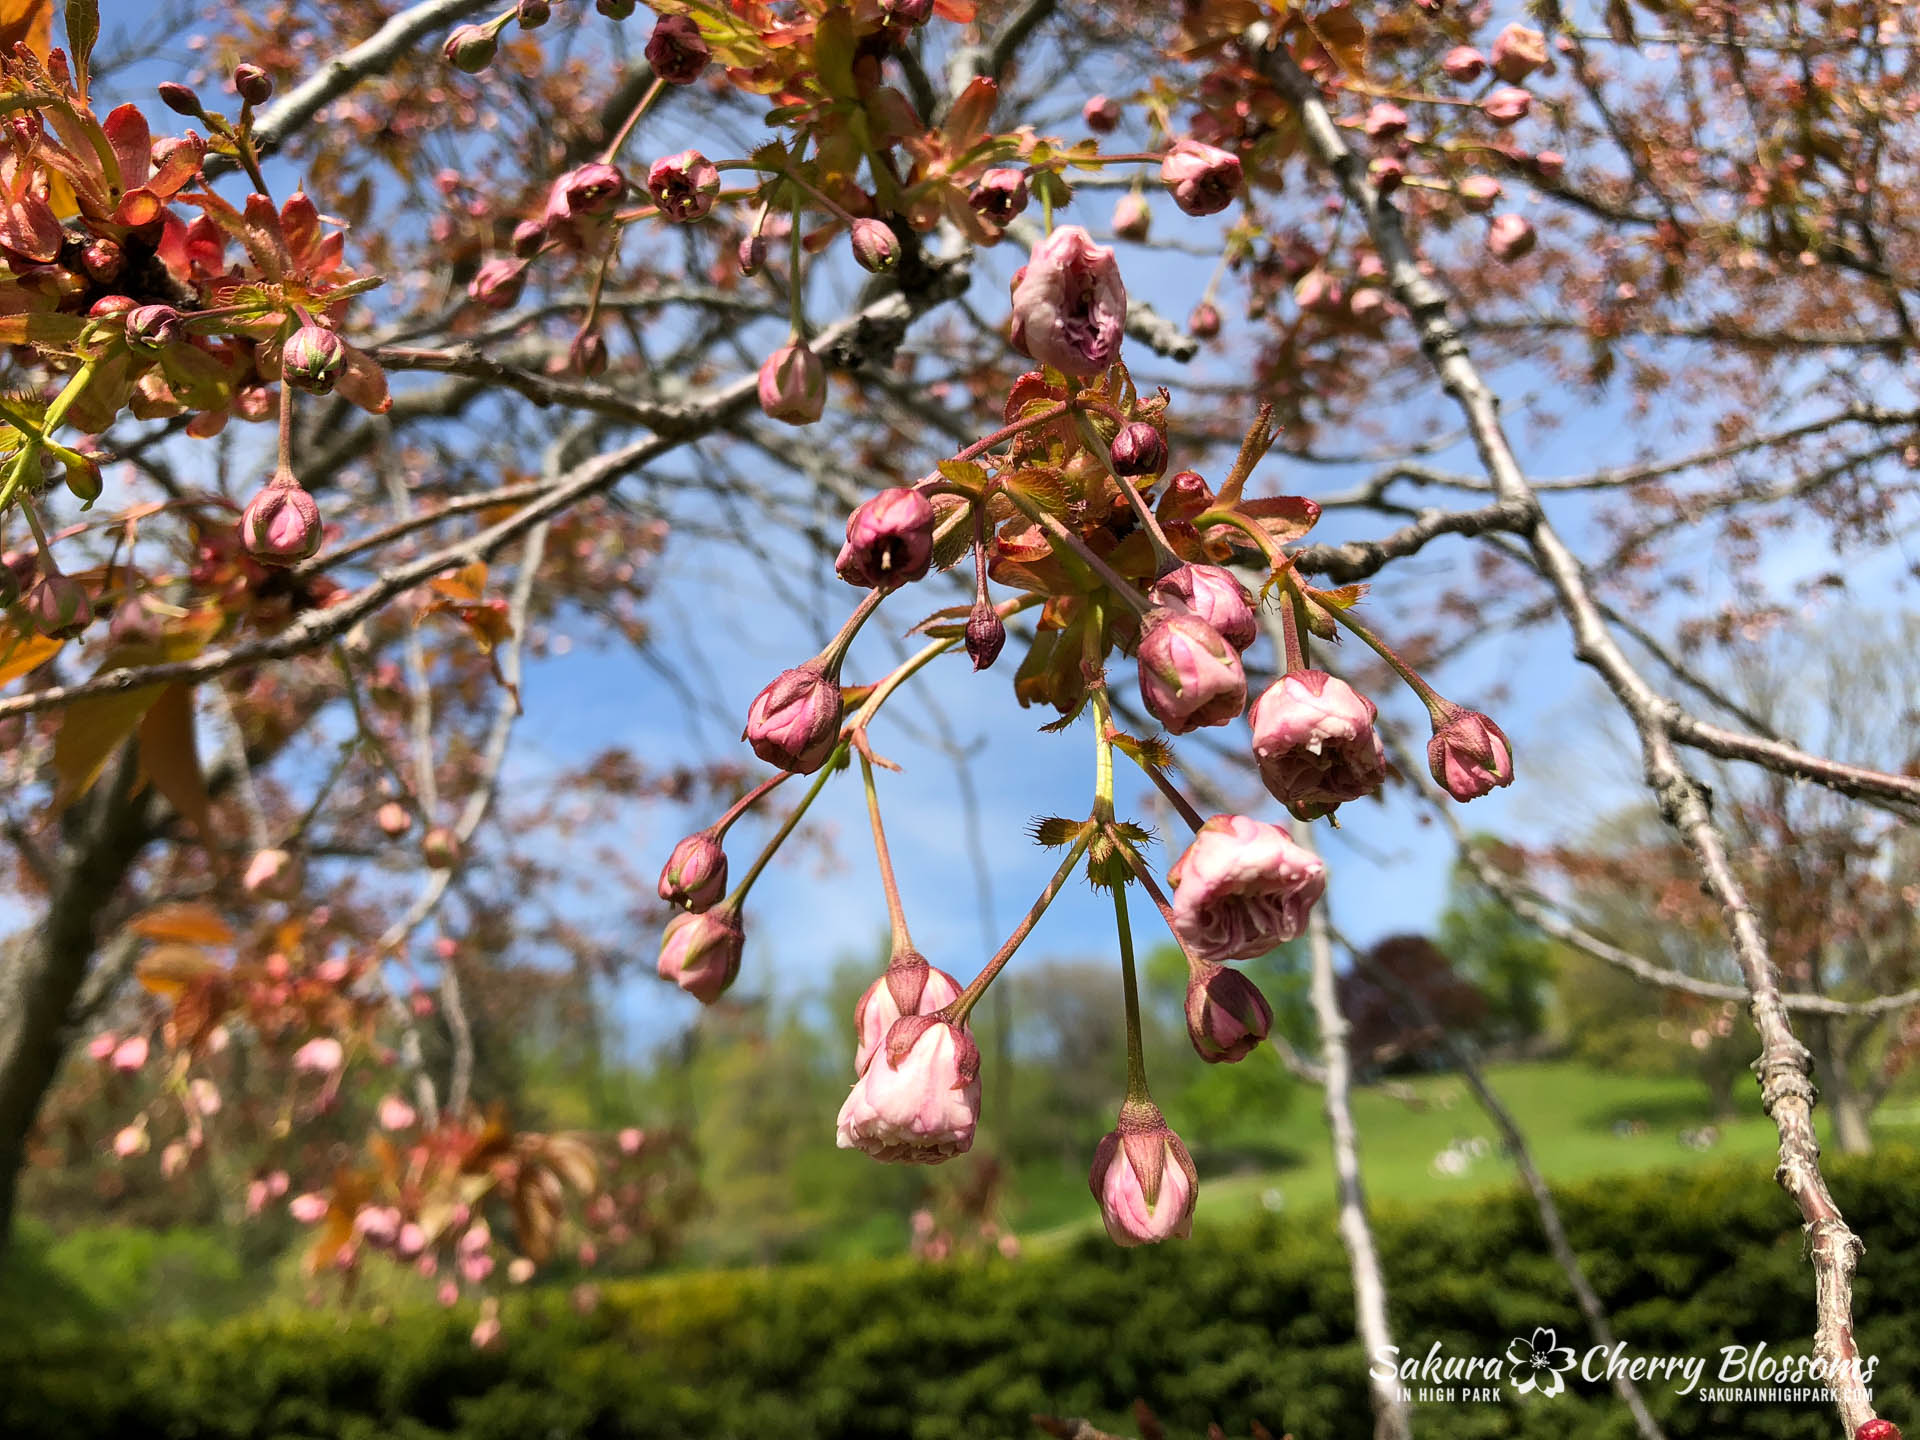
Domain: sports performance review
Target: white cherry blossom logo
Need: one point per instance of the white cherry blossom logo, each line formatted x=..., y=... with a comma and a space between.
x=1539, y=1361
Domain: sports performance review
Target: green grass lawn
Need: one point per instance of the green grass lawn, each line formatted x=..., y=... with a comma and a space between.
x=1567, y=1112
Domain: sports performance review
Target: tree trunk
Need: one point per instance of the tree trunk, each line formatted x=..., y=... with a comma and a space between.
x=41, y=972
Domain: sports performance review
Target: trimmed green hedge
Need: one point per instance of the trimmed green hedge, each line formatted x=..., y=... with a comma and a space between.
x=1239, y=1324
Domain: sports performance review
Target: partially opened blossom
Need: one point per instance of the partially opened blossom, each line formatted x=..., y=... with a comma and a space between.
x=1211, y=592
x=1510, y=237
x=1000, y=195
x=1314, y=739
x=676, y=50
x=1518, y=51
x=1203, y=178
x=1069, y=305
x=910, y=986
x=1242, y=888
x=1464, y=64
x=918, y=1100
x=1144, y=1179
x=1506, y=106
x=889, y=540
x=684, y=186
x=1190, y=677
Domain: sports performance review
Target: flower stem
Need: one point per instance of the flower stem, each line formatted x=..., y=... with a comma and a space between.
x=633, y=119
x=957, y=1012
x=1090, y=437
x=739, y=895
x=1437, y=706
x=1164, y=784
x=896, y=913
x=747, y=801
x=1102, y=753
x=1113, y=579
x=1130, y=984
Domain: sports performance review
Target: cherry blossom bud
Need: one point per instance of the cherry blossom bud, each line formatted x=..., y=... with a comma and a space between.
x=910, y=986
x=683, y=185
x=1144, y=1179
x=532, y=14
x=1386, y=121
x=1215, y=596
x=519, y=1270
x=1877, y=1429
x=181, y=100
x=889, y=540
x=793, y=385
x=677, y=51
x=103, y=260
x=58, y=606
x=1190, y=677
x=1069, y=306
x=281, y=524
x=1550, y=164
x=1101, y=114
x=701, y=952
x=1132, y=217
x=1464, y=64
x=1227, y=1016
x=252, y=84
x=321, y=1055
x=440, y=848
x=1314, y=739
x=753, y=254
x=528, y=237
x=272, y=873
x=394, y=819
x=1518, y=52
x=918, y=1100
x=874, y=245
x=1138, y=449
x=498, y=282
x=1478, y=193
x=1204, y=322
x=312, y=359
x=630, y=1140
x=587, y=354
x=1242, y=888
x=471, y=48
x=586, y=192
x=130, y=1054
x=154, y=327
x=1386, y=172
x=132, y=1140
x=308, y=1209
x=378, y=1225
x=1469, y=755
x=394, y=1113
x=986, y=634
x=1186, y=497
x=794, y=723
x=83, y=479
x=695, y=875
x=411, y=1240
x=1000, y=196
x=1203, y=178
x=615, y=9
x=102, y=1047
x=1510, y=237
x=1506, y=106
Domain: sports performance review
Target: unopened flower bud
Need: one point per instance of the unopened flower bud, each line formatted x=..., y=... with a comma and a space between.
x=889, y=540
x=272, y=873
x=1478, y=193
x=153, y=327
x=1227, y=1016
x=615, y=9
x=393, y=818
x=1139, y=449
x=752, y=254
x=874, y=245
x=528, y=237
x=1469, y=755
x=1132, y=217
x=1204, y=323
x=1101, y=114
x=103, y=260
x=1550, y=164
x=498, y=282
x=1464, y=64
x=1190, y=677
x=794, y=723
x=695, y=875
x=1506, y=106
x=1203, y=178
x=58, y=606
x=312, y=359
x=683, y=185
x=252, y=84
x=281, y=524
x=793, y=385
x=532, y=14
x=1386, y=121
x=471, y=48
x=986, y=635
x=1000, y=195
x=1215, y=596
x=587, y=355
x=677, y=51
x=440, y=848
x=1315, y=742
x=1144, y=1179
x=701, y=952
x=181, y=100
x=1386, y=172
x=1510, y=237
x=83, y=479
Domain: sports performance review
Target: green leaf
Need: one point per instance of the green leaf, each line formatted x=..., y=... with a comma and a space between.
x=83, y=29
